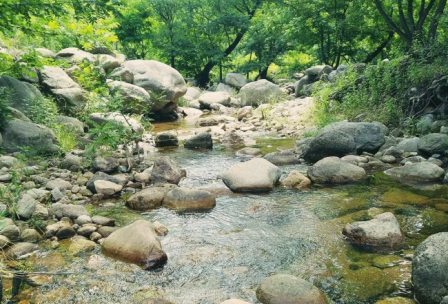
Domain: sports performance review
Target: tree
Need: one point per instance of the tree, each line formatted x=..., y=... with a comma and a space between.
x=413, y=20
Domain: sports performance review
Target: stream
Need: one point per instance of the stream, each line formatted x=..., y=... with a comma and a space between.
x=225, y=253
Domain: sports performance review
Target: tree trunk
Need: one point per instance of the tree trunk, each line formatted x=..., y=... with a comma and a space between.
x=379, y=49
x=263, y=74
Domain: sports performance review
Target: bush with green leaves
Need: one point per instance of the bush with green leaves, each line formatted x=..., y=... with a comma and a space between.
x=384, y=92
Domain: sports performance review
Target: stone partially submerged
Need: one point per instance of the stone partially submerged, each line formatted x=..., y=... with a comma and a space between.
x=137, y=244
x=382, y=232
x=417, y=172
x=430, y=268
x=288, y=289
x=256, y=175
x=332, y=170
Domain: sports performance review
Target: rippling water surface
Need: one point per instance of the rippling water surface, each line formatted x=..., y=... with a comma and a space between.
x=225, y=253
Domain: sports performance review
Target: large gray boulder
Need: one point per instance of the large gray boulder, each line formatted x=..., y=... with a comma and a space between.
x=382, y=232
x=288, y=289
x=67, y=92
x=75, y=55
x=299, y=85
x=332, y=170
x=23, y=94
x=100, y=176
x=20, y=134
x=208, y=99
x=435, y=143
x=368, y=136
x=330, y=143
x=417, y=172
x=408, y=144
x=282, y=158
x=136, y=243
x=67, y=210
x=183, y=199
x=192, y=94
x=200, y=141
x=158, y=78
x=259, y=92
x=72, y=124
x=256, y=175
x=430, y=268
x=147, y=199
x=125, y=121
x=135, y=99
x=165, y=170
x=235, y=80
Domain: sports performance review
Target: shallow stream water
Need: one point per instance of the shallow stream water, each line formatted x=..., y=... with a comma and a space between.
x=225, y=253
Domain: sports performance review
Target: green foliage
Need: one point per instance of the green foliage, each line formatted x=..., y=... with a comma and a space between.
x=92, y=78
x=10, y=195
x=384, y=92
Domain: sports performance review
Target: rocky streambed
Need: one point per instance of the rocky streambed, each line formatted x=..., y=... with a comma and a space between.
x=227, y=251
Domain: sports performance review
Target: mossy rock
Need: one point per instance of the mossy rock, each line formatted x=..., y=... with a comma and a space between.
x=399, y=196
x=365, y=284
x=441, y=207
x=397, y=300
x=386, y=261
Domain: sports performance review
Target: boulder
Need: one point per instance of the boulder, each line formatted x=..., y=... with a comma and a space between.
x=235, y=80
x=435, y=143
x=22, y=94
x=299, y=85
x=429, y=269
x=66, y=210
x=417, y=172
x=255, y=175
x=108, y=62
x=259, y=92
x=165, y=170
x=75, y=55
x=192, y=93
x=408, y=144
x=166, y=83
x=183, y=199
x=332, y=170
x=147, y=199
x=72, y=124
x=18, y=250
x=9, y=229
x=318, y=70
x=330, y=143
x=288, y=289
x=80, y=247
x=30, y=236
x=249, y=152
x=200, y=141
x=296, y=180
x=8, y=161
x=208, y=99
x=67, y=92
x=125, y=121
x=20, y=134
x=105, y=164
x=136, y=243
x=368, y=136
x=282, y=158
x=122, y=74
x=382, y=232
x=224, y=88
x=100, y=176
x=135, y=99
x=26, y=206
x=107, y=188
x=59, y=183
x=103, y=221
x=166, y=139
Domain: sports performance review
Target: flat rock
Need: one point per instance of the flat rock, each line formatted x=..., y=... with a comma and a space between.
x=255, y=175
x=382, y=232
x=417, y=172
x=183, y=199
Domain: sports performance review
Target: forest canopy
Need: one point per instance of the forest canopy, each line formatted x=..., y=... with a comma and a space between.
x=204, y=39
